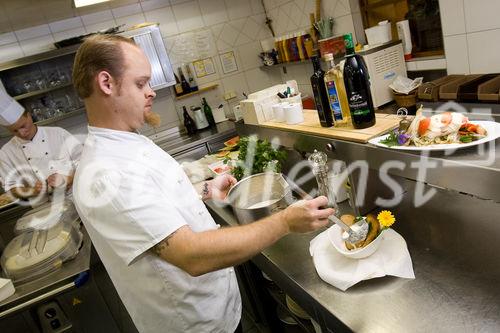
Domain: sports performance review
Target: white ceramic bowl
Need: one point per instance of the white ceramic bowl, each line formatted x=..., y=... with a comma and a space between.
x=335, y=236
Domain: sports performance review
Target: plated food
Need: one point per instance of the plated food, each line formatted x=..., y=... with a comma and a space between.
x=373, y=231
x=6, y=199
x=370, y=244
x=439, y=132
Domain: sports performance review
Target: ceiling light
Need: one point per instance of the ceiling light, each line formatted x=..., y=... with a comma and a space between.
x=82, y=3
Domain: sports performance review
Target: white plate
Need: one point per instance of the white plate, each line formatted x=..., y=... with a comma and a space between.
x=492, y=129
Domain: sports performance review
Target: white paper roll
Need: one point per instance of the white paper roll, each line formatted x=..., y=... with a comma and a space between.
x=279, y=113
x=293, y=113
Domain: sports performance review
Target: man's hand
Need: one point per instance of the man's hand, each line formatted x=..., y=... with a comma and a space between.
x=306, y=215
x=57, y=180
x=218, y=188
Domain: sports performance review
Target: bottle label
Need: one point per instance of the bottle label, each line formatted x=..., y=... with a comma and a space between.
x=333, y=98
x=358, y=105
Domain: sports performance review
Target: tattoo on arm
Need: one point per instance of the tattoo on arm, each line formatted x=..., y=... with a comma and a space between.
x=204, y=191
x=163, y=244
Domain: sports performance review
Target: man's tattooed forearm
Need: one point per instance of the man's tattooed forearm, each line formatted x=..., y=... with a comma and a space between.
x=163, y=244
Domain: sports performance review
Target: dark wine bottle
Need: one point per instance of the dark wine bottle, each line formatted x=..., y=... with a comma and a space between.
x=188, y=122
x=208, y=112
x=320, y=94
x=185, y=85
x=357, y=85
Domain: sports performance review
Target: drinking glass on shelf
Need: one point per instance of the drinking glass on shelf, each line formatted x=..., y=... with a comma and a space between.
x=38, y=110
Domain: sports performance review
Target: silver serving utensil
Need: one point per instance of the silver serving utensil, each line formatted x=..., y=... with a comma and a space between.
x=353, y=234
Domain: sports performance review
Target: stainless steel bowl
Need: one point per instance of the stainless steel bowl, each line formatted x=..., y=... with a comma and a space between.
x=259, y=195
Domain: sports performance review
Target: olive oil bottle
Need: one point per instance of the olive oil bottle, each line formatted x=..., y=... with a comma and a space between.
x=337, y=96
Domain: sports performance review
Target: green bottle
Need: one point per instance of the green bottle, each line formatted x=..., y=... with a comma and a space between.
x=208, y=112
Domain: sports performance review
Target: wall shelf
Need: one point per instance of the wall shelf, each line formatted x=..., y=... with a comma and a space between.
x=41, y=92
x=61, y=117
x=200, y=90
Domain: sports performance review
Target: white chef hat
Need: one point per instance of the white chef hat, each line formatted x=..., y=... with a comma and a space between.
x=10, y=109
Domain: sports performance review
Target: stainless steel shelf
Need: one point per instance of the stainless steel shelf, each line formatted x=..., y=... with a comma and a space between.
x=61, y=117
x=41, y=92
x=39, y=57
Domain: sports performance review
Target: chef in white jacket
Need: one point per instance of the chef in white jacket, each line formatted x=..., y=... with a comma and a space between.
x=169, y=261
x=37, y=159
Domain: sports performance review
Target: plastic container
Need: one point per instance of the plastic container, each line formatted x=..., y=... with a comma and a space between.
x=294, y=99
x=379, y=34
x=36, y=253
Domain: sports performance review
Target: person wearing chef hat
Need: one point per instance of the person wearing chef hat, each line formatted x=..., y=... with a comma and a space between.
x=170, y=263
x=36, y=159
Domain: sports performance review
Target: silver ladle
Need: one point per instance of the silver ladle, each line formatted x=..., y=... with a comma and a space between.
x=353, y=234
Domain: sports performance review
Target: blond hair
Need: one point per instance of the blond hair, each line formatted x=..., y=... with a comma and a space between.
x=98, y=53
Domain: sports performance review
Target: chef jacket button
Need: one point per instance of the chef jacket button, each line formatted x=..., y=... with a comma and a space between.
x=24, y=147
x=43, y=140
x=200, y=213
x=29, y=158
x=46, y=153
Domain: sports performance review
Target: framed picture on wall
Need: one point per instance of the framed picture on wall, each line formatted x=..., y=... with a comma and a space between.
x=228, y=61
x=204, y=67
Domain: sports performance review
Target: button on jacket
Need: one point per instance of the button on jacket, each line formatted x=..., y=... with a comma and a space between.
x=131, y=195
x=52, y=150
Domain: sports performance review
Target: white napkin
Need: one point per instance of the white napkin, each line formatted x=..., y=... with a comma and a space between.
x=404, y=85
x=391, y=258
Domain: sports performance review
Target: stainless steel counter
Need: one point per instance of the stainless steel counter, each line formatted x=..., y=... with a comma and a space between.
x=452, y=239
x=457, y=285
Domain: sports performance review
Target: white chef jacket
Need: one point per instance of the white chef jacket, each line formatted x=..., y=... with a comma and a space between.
x=131, y=195
x=52, y=150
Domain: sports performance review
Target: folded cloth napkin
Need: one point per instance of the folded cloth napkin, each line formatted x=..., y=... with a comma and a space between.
x=391, y=258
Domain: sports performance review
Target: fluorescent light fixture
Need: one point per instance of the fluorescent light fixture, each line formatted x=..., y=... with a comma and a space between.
x=83, y=3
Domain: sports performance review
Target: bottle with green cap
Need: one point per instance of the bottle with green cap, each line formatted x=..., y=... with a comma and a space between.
x=208, y=112
x=357, y=85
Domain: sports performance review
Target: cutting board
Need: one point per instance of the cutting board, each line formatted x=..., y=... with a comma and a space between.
x=311, y=125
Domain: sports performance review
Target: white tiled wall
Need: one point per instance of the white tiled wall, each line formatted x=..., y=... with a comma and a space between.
x=235, y=25
x=471, y=30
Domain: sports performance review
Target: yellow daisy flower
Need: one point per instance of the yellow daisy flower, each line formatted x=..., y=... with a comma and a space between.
x=385, y=218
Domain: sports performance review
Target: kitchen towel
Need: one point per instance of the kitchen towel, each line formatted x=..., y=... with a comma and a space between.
x=391, y=258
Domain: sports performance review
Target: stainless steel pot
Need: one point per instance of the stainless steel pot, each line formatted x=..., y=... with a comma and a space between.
x=258, y=196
